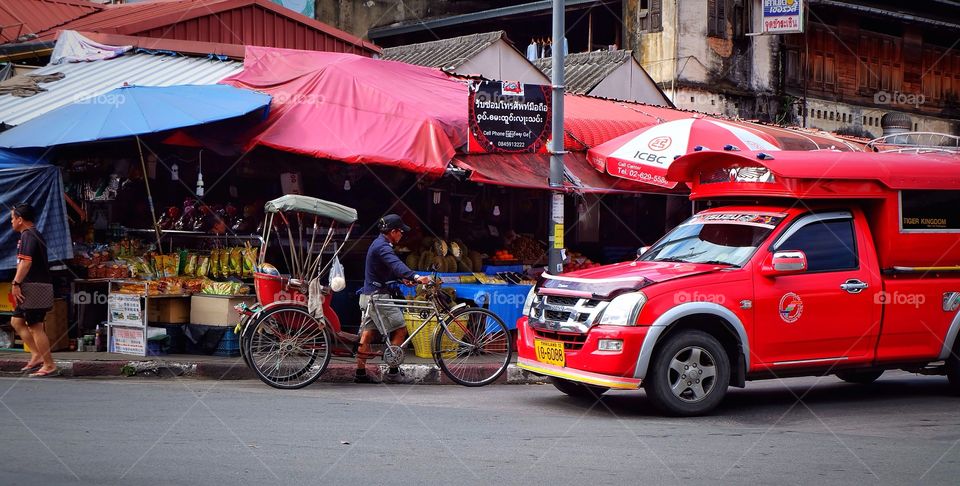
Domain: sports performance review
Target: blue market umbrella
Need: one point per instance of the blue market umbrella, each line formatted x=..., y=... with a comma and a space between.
x=132, y=111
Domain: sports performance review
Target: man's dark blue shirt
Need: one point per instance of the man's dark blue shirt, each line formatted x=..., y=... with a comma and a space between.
x=382, y=266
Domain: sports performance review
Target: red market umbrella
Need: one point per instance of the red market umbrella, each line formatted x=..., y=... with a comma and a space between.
x=646, y=154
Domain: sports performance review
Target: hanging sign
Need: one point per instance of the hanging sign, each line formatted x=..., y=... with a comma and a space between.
x=508, y=117
x=782, y=17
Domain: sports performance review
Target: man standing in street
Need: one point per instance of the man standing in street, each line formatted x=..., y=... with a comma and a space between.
x=32, y=291
x=383, y=266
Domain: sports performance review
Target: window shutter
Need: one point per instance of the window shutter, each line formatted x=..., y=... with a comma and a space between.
x=656, y=15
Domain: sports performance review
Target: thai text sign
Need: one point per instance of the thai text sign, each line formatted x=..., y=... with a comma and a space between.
x=508, y=116
x=125, y=309
x=782, y=16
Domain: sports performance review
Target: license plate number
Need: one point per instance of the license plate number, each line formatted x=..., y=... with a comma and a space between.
x=550, y=352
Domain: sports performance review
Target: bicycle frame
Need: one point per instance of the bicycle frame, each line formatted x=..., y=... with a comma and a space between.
x=377, y=303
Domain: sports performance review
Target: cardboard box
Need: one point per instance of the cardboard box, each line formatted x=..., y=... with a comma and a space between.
x=169, y=310
x=216, y=310
x=56, y=326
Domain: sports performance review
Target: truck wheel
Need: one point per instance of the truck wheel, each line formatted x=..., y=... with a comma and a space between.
x=578, y=390
x=689, y=374
x=859, y=377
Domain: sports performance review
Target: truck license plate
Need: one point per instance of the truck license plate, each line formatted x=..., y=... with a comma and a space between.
x=550, y=352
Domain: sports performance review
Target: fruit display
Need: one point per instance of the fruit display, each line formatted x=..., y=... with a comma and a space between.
x=526, y=249
x=577, y=261
x=501, y=257
x=444, y=257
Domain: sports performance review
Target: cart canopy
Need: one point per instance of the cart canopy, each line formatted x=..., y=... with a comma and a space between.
x=312, y=205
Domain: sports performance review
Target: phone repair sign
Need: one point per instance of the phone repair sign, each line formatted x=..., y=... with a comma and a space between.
x=782, y=16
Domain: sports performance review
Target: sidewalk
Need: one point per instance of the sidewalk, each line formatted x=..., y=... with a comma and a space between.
x=113, y=365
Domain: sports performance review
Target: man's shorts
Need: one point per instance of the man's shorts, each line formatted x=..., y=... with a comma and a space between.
x=32, y=316
x=390, y=318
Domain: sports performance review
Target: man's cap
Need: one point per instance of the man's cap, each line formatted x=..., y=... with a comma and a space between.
x=392, y=222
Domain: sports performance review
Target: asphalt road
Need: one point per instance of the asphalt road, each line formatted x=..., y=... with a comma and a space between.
x=904, y=429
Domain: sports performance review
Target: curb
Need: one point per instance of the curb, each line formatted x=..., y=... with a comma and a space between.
x=421, y=374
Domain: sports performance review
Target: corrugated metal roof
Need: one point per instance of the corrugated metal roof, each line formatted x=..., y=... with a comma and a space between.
x=248, y=22
x=23, y=17
x=444, y=53
x=90, y=79
x=584, y=71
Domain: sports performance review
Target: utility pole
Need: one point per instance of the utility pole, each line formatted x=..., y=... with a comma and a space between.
x=555, y=229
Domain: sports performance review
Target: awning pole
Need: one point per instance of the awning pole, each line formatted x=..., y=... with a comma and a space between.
x=146, y=182
x=555, y=229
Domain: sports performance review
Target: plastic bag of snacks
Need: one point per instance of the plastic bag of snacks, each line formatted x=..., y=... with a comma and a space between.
x=225, y=262
x=249, y=261
x=203, y=266
x=215, y=263
x=190, y=267
x=236, y=262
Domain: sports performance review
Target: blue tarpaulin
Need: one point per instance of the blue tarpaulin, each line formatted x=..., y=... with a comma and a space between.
x=25, y=179
x=135, y=110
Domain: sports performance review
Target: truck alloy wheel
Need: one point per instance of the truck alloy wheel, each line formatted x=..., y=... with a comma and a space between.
x=689, y=374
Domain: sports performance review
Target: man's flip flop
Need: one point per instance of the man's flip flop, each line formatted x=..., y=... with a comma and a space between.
x=42, y=373
x=31, y=368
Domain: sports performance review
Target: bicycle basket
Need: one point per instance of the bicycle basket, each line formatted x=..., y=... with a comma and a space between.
x=423, y=341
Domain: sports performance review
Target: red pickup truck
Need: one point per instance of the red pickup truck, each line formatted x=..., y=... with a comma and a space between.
x=804, y=263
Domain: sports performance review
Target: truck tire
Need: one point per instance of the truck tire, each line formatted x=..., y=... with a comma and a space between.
x=953, y=373
x=689, y=374
x=578, y=390
x=860, y=377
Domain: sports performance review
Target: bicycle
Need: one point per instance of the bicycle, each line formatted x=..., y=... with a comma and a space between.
x=290, y=347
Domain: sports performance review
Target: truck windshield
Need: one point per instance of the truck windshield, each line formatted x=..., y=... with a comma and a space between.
x=714, y=238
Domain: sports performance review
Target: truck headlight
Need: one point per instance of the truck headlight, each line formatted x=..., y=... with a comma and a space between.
x=623, y=310
x=531, y=298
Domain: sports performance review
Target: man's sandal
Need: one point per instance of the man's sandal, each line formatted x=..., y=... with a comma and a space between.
x=43, y=373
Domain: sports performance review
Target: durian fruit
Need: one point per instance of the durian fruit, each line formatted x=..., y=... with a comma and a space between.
x=441, y=247
x=451, y=263
x=426, y=260
x=477, y=260
x=440, y=264
x=465, y=266
x=413, y=261
x=455, y=250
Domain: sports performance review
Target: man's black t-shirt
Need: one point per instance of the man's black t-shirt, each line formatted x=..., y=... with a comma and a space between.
x=31, y=247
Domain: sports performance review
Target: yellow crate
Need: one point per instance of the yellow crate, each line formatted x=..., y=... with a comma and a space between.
x=423, y=341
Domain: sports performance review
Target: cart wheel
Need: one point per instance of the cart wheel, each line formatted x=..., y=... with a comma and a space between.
x=287, y=347
x=473, y=347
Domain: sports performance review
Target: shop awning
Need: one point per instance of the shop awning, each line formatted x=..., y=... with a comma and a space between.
x=357, y=110
x=532, y=171
x=135, y=110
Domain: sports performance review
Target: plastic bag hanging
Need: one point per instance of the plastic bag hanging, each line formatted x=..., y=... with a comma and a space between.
x=338, y=281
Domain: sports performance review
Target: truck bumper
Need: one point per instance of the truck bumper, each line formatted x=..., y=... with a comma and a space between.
x=587, y=364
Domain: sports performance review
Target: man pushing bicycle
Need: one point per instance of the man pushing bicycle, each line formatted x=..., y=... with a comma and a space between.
x=383, y=266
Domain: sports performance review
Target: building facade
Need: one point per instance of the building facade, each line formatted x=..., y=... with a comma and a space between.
x=856, y=61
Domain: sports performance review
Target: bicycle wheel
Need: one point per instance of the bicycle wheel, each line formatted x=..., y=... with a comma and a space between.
x=287, y=347
x=473, y=347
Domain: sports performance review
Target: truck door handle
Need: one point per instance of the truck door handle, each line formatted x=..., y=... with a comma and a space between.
x=854, y=286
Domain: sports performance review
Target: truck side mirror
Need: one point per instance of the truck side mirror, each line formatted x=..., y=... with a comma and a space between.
x=642, y=250
x=784, y=263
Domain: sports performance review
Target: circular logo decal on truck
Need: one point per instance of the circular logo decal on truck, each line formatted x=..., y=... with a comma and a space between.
x=791, y=306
